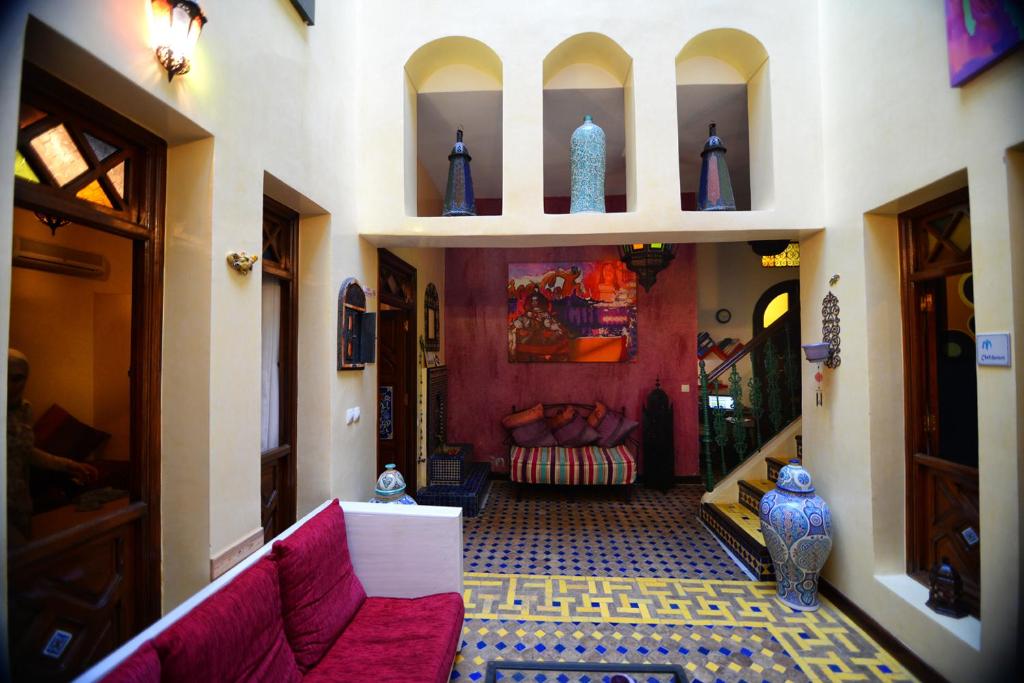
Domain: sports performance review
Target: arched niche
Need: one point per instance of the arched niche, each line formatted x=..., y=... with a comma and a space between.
x=589, y=73
x=451, y=82
x=722, y=76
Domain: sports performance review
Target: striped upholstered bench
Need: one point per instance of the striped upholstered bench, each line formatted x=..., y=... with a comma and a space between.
x=591, y=465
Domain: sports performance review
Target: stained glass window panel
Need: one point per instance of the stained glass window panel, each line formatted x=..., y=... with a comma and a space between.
x=60, y=155
x=22, y=169
x=116, y=176
x=790, y=258
x=29, y=115
x=102, y=149
x=94, y=193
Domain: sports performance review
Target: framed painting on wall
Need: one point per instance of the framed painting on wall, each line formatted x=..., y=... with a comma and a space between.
x=979, y=33
x=581, y=312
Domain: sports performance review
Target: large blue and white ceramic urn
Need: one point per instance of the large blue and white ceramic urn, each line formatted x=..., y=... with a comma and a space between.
x=797, y=528
x=586, y=168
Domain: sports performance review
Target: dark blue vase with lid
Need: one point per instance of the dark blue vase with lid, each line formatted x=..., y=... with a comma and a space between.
x=458, y=195
x=715, y=190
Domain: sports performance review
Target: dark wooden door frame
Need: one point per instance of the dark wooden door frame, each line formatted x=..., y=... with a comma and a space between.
x=142, y=221
x=388, y=261
x=285, y=271
x=919, y=443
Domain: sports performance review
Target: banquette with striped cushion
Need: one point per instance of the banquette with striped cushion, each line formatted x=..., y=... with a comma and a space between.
x=546, y=448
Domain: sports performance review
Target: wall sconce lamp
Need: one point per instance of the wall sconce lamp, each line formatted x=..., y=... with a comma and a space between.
x=176, y=25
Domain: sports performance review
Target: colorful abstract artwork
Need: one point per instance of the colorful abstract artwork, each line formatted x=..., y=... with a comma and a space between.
x=582, y=312
x=979, y=33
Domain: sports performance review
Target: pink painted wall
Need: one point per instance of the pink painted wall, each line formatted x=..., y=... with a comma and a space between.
x=483, y=385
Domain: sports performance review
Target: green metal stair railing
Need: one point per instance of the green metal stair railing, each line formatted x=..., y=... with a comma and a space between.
x=730, y=431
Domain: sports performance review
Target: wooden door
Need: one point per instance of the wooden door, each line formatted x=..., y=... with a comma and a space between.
x=396, y=367
x=393, y=392
x=280, y=322
x=87, y=580
x=941, y=391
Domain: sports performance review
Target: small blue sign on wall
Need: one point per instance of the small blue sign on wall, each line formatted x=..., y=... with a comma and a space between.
x=994, y=349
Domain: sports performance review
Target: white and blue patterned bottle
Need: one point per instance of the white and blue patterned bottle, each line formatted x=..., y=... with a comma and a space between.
x=586, y=168
x=797, y=528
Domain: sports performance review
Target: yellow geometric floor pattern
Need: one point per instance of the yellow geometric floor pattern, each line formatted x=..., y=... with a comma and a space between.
x=825, y=644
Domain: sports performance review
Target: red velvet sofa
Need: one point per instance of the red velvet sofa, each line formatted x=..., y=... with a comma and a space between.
x=298, y=611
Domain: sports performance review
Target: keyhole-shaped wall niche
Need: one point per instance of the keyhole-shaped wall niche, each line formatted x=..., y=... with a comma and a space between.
x=722, y=77
x=589, y=73
x=452, y=82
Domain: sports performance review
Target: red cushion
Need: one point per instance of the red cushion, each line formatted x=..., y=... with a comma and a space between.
x=234, y=635
x=396, y=640
x=142, y=666
x=320, y=592
x=523, y=417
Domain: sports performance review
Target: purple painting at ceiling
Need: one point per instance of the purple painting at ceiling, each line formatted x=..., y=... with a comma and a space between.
x=979, y=33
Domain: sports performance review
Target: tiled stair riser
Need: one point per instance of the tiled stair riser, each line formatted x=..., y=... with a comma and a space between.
x=726, y=521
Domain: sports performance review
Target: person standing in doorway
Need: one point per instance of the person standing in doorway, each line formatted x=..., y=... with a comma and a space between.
x=22, y=453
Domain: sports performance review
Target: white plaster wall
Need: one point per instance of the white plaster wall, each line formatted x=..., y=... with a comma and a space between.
x=522, y=36
x=266, y=93
x=895, y=134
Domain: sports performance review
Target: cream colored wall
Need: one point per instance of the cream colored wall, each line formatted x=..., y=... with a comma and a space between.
x=862, y=118
x=652, y=39
x=285, y=108
x=895, y=134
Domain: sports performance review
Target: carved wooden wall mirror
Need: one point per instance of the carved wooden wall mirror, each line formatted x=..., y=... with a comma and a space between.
x=432, y=319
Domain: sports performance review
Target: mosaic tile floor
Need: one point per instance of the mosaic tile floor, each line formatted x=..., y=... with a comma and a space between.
x=589, y=578
x=590, y=532
x=718, y=630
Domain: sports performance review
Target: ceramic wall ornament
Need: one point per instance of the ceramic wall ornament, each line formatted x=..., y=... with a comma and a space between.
x=458, y=195
x=391, y=487
x=797, y=528
x=586, y=168
x=715, y=190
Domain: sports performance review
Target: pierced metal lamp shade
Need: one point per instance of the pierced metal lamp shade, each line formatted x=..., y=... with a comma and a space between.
x=647, y=260
x=715, y=191
x=458, y=195
x=587, y=168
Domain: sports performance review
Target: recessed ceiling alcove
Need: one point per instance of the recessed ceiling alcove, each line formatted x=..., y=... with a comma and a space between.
x=452, y=83
x=588, y=73
x=722, y=77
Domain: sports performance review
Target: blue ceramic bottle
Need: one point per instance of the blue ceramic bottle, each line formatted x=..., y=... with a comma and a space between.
x=586, y=168
x=797, y=528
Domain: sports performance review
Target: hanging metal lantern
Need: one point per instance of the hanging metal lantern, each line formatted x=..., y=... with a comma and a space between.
x=715, y=191
x=647, y=260
x=458, y=196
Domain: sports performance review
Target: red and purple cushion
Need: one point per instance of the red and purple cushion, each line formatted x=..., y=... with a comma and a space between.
x=523, y=417
x=141, y=666
x=320, y=592
x=597, y=414
x=561, y=418
x=576, y=433
x=396, y=640
x=534, y=434
x=234, y=635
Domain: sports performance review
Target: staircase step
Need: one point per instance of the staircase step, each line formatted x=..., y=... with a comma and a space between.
x=740, y=530
x=751, y=491
x=776, y=464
